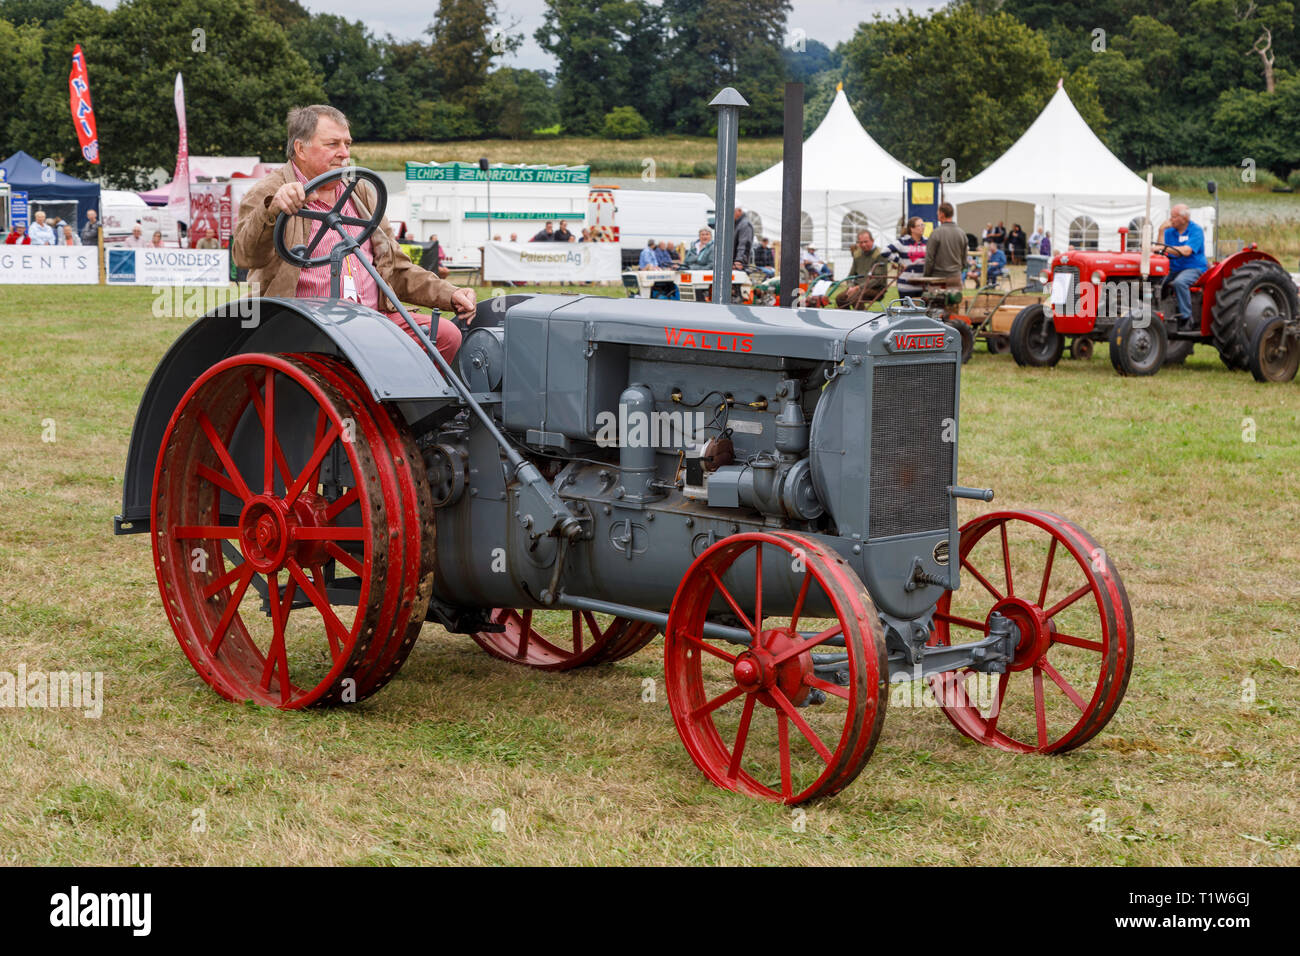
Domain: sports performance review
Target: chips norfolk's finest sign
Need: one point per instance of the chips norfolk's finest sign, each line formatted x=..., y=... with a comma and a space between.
x=469, y=173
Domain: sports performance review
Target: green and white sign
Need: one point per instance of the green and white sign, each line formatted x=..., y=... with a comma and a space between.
x=526, y=215
x=501, y=173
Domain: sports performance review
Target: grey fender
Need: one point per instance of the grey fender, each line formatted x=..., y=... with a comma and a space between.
x=392, y=364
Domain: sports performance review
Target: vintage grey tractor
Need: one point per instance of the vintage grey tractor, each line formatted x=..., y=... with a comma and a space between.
x=774, y=490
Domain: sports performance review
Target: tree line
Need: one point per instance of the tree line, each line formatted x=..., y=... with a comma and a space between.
x=1209, y=82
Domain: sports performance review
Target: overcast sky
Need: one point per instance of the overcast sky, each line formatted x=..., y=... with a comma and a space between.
x=829, y=21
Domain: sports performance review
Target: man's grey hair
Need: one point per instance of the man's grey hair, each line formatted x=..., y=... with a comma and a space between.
x=1181, y=209
x=302, y=122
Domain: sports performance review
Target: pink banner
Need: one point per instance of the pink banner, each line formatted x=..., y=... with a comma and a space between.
x=178, y=200
x=83, y=114
x=210, y=208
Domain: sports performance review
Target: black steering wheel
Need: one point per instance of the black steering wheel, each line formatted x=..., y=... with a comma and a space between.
x=301, y=256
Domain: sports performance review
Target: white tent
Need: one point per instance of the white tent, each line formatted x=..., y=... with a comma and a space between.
x=847, y=179
x=1060, y=176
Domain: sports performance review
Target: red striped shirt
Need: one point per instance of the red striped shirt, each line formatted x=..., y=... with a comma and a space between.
x=316, y=281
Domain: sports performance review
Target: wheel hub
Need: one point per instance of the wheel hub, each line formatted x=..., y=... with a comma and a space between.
x=756, y=671
x=264, y=533
x=1035, y=630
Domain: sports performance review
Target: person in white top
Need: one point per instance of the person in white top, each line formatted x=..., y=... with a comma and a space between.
x=41, y=233
x=136, y=239
x=69, y=238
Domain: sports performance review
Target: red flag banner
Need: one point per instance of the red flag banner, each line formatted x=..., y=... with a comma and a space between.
x=83, y=114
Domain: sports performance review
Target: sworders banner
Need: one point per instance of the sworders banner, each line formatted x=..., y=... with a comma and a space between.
x=49, y=265
x=210, y=208
x=168, y=266
x=83, y=114
x=552, y=261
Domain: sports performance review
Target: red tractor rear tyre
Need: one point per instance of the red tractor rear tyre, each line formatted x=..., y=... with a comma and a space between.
x=1034, y=339
x=1251, y=294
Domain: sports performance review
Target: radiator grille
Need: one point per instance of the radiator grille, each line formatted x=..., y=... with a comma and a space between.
x=1071, y=306
x=912, y=411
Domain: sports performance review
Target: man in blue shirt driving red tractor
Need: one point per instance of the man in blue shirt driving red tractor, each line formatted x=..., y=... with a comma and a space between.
x=1184, y=244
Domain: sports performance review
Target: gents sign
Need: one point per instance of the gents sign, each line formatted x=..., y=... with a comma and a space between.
x=49, y=265
x=470, y=173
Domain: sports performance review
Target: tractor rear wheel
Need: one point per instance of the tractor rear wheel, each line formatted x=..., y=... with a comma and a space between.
x=998, y=344
x=792, y=711
x=967, y=337
x=1081, y=348
x=1274, y=353
x=1034, y=339
x=1178, y=351
x=1138, y=349
x=278, y=535
x=1069, y=605
x=589, y=640
x=1252, y=294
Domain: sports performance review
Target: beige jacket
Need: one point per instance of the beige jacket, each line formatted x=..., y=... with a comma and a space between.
x=253, y=248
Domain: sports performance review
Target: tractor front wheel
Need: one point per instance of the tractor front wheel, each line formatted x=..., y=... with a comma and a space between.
x=1274, y=353
x=1034, y=339
x=1138, y=348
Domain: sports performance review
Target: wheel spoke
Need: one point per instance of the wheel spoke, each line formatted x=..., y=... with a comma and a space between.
x=345, y=559
x=317, y=435
x=808, y=645
x=783, y=746
x=991, y=727
x=217, y=478
x=1062, y=683
x=1039, y=709
x=798, y=602
x=724, y=698
x=827, y=686
x=597, y=634
x=1047, y=573
x=965, y=563
x=758, y=589
x=784, y=703
x=354, y=221
x=266, y=414
x=1061, y=605
x=317, y=455
x=316, y=214
x=268, y=433
x=277, y=657
x=525, y=633
x=1006, y=558
x=184, y=532
x=318, y=577
x=328, y=532
x=317, y=597
x=709, y=648
x=223, y=582
x=959, y=621
x=742, y=734
x=717, y=581
x=226, y=462
x=232, y=606
x=1083, y=642
x=335, y=508
x=577, y=632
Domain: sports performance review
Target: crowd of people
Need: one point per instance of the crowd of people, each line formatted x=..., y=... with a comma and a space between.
x=1015, y=245
x=44, y=231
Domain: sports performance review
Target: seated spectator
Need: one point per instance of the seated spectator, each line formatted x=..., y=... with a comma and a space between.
x=546, y=235
x=699, y=254
x=664, y=254
x=497, y=237
x=40, y=232
x=562, y=234
x=870, y=270
x=649, y=259
x=18, y=237
x=514, y=237
x=209, y=240
x=156, y=242
x=908, y=251
x=69, y=238
x=433, y=256
x=586, y=235
x=813, y=264
x=997, y=264
x=765, y=257
x=136, y=239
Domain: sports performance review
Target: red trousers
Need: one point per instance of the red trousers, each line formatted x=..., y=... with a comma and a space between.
x=448, y=343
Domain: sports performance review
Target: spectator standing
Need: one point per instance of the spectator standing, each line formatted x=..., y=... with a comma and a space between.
x=743, y=247
x=1035, y=240
x=1016, y=244
x=999, y=234
x=18, y=237
x=40, y=232
x=945, y=252
x=562, y=234
x=1045, y=244
x=136, y=239
x=765, y=257
x=90, y=231
x=514, y=237
x=209, y=240
x=908, y=251
x=156, y=242
x=546, y=235
x=69, y=238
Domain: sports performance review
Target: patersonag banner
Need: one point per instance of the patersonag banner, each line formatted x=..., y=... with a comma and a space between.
x=552, y=261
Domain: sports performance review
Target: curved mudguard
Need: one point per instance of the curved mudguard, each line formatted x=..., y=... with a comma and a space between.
x=395, y=367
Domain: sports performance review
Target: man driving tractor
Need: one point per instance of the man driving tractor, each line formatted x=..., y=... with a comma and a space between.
x=1184, y=244
x=319, y=141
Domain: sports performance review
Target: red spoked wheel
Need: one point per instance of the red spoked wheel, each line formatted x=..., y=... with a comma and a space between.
x=561, y=640
x=276, y=522
x=795, y=714
x=1076, y=634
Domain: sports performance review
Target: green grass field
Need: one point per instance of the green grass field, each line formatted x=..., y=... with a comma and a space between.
x=1187, y=479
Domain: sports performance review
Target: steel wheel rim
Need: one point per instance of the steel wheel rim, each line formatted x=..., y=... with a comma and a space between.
x=190, y=478
x=762, y=687
x=522, y=643
x=1113, y=649
x=1279, y=353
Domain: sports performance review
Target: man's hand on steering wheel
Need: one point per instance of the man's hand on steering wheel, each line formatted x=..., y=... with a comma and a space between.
x=291, y=197
x=464, y=302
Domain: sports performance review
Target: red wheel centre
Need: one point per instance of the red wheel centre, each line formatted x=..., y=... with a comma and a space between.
x=755, y=672
x=1035, y=630
x=266, y=530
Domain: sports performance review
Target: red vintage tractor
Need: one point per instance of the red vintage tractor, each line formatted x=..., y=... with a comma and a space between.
x=1246, y=306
